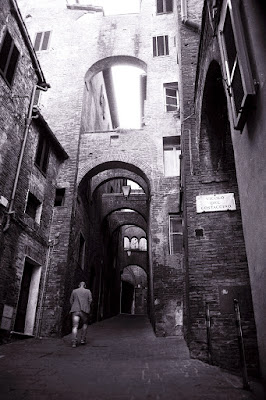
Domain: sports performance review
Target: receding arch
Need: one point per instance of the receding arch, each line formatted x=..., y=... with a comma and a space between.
x=90, y=171
x=215, y=147
x=108, y=62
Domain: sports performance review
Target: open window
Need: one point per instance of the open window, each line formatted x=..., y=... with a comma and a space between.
x=33, y=207
x=42, y=154
x=171, y=97
x=235, y=62
x=9, y=55
x=171, y=155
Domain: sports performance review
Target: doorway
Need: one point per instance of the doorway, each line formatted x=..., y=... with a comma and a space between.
x=28, y=297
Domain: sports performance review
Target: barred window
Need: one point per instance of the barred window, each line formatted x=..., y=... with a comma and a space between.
x=175, y=234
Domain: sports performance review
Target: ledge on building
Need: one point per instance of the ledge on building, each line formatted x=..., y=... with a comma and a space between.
x=89, y=8
x=40, y=121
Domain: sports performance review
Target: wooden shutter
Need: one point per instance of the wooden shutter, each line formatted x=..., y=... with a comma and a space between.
x=236, y=62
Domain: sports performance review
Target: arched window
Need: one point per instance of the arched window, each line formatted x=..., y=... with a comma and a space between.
x=126, y=243
x=143, y=244
x=134, y=243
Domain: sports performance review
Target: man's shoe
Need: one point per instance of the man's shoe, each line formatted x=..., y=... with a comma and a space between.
x=74, y=343
x=83, y=341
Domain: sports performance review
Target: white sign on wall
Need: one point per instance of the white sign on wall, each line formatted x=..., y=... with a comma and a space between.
x=215, y=202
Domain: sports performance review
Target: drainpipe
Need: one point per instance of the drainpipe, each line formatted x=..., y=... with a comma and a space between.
x=10, y=211
x=51, y=246
x=184, y=18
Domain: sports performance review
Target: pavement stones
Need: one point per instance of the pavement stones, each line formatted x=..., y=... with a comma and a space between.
x=122, y=360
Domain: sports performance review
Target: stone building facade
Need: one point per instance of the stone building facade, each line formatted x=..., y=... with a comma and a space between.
x=198, y=254
x=222, y=120
x=80, y=108
x=30, y=159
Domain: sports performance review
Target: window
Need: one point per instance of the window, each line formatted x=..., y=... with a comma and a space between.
x=42, y=41
x=143, y=244
x=235, y=61
x=9, y=55
x=42, y=155
x=134, y=243
x=33, y=207
x=175, y=234
x=171, y=97
x=160, y=46
x=171, y=153
x=59, y=197
x=126, y=243
x=164, y=6
x=81, y=259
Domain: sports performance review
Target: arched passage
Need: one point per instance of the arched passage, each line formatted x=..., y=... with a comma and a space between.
x=103, y=212
x=134, y=290
x=105, y=82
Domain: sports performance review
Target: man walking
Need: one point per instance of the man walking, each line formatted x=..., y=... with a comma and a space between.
x=80, y=301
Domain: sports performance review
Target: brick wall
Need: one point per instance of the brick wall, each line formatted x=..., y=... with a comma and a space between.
x=92, y=40
x=216, y=260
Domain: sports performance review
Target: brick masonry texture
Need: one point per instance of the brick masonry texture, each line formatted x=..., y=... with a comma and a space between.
x=93, y=40
x=217, y=259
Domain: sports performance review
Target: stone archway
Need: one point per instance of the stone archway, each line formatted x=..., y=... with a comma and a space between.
x=134, y=290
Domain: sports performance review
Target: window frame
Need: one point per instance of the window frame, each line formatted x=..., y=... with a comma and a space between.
x=43, y=153
x=60, y=195
x=174, y=216
x=170, y=143
x=171, y=86
x=164, y=7
x=241, y=63
x=38, y=207
x=39, y=46
x=155, y=40
x=5, y=70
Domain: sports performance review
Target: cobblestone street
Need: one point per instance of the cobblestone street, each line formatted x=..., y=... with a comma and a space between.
x=123, y=360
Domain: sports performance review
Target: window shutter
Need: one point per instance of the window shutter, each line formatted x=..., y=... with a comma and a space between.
x=38, y=41
x=159, y=6
x=45, y=41
x=236, y=63
x=169, y=5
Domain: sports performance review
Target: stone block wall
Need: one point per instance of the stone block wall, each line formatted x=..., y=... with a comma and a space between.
x=93, y=40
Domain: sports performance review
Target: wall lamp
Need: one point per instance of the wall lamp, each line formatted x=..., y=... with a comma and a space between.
x=126, y=190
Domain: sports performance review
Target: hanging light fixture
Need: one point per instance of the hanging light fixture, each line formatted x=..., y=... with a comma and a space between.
x=126, y=190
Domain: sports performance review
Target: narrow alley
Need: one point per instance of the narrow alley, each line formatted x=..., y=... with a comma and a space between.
x=122, y=360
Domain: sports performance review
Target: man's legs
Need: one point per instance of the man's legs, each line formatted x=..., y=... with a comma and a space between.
x=75, y=324
x=84, y=327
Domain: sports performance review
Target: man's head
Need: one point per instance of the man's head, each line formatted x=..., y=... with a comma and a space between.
x=82, y=284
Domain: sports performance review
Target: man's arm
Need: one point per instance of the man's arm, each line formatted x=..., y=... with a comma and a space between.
x=71, y=298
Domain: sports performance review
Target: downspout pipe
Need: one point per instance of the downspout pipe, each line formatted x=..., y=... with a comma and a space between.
x=10, y=211
x=184, y=18
x=22, y=27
